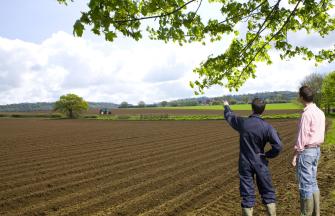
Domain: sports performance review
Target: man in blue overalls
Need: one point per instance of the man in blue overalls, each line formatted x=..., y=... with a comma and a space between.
x=255, y=133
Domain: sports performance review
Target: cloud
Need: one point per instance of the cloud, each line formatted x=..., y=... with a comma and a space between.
x=168, y=69
x=125, y=70
x=313, y=40
x=97, y=71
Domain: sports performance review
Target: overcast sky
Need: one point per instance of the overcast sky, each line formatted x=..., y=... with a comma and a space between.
x=41, y=60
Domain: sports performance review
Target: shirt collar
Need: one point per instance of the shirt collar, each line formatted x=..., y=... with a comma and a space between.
x=255, y=115
x=309, y=106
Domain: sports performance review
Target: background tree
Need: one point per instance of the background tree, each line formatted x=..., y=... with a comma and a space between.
x=245, y=99
x=314, y=81
x=164, y=103
x=328, y=91
x=267, y=25
x=216, y=102
x=71, y=105
x=141, y=104
x=173, y=104
x=124, y=104
x=232, y=101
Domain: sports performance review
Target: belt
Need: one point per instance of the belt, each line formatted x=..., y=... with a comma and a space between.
x=311, y=146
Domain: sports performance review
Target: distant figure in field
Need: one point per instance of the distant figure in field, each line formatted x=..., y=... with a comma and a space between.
x=255, y=133
x=307, y=152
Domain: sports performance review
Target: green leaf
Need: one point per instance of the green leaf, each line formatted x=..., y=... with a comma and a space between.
x=110, y=36
x=78, y=28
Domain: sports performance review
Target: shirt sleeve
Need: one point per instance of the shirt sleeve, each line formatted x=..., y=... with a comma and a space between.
x=233, y=120
x=275, y=142
x=302, y=133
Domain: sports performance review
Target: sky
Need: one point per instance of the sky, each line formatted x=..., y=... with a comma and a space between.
x=40, y=60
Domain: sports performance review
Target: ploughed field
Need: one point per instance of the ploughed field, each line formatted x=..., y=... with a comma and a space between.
x=89, y=167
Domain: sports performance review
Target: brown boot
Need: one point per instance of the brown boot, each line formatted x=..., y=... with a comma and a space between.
x=271, y=209
x=316, y=199
x=306, y=206
x=247, y=211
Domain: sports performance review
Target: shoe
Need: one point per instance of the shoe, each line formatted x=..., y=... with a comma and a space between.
x=271, y=209
x=247, y=211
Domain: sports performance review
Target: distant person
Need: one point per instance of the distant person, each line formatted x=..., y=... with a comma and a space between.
x=307, y=152
x=255, y=133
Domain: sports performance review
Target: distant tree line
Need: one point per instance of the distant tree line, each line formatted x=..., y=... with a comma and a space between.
x=270, y=97
x=323, y=87
x=45, y=106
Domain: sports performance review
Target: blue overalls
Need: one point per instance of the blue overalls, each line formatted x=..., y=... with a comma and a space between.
x=254, y=134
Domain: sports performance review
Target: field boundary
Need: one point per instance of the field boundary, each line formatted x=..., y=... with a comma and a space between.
x=146, y=117
x=240, y=107
x=330, y=136
x=185, y=117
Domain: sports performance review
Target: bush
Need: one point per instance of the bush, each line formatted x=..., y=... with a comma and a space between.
x=17, y=116
x=154, y=117
x=90, y=116
x=123, y=117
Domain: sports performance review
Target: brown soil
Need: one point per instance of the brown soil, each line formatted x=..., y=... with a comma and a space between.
x=86, y=167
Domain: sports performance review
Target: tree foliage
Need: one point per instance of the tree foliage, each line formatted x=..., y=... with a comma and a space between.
x=314, y=81
x=141, y=104
x=71, y=105
x=124, y=104
x=164, y=103
x=267, y=26
x=328, y=91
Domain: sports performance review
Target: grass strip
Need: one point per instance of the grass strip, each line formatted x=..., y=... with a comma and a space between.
x=278, y=106
x=330, y=136
x=184, y=117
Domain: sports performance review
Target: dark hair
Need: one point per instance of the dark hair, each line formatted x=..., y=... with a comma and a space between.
x=258, y=106
x=306, y=93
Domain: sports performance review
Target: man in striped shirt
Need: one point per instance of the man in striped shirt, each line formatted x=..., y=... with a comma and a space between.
x=307, y=152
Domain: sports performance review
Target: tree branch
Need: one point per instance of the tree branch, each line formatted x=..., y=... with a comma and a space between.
x=285, y=23
x=261, y=29
x=195, y=13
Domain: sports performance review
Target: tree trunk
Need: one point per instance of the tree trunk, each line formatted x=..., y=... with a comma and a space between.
x=71, y=113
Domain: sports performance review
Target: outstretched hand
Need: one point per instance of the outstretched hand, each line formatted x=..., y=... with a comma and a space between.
x=225, y=103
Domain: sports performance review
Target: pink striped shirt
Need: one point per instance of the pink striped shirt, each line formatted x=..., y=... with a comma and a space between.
x=311, y=127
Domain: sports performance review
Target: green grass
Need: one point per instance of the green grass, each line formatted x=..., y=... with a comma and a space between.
x=183, y=118
x=330, y=137
x=160, y=117
x=279, y=106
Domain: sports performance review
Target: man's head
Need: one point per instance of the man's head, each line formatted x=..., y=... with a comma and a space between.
x=258, y=106
x=306, y=94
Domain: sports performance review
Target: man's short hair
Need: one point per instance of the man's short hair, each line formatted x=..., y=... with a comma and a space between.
x=258, y=106
x=306, y=93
